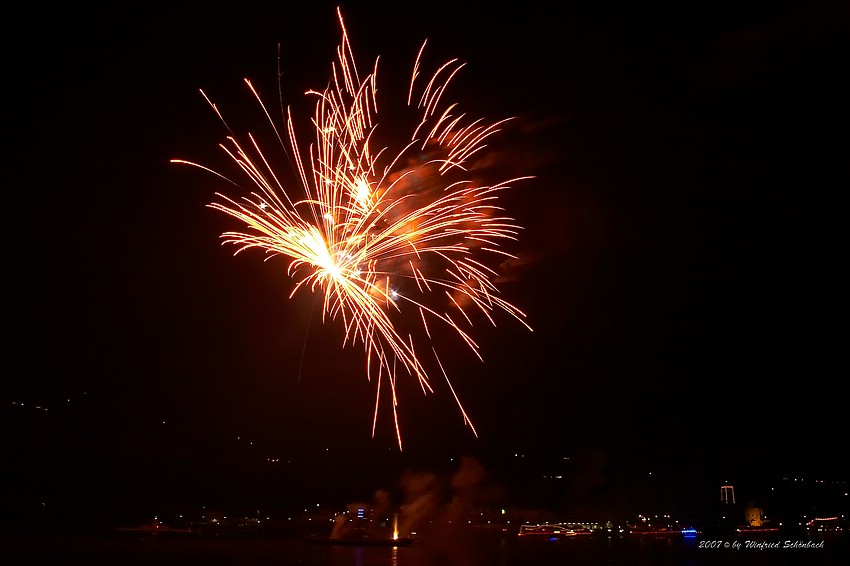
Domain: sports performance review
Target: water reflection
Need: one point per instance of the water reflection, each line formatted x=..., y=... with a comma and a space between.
x=462, y=548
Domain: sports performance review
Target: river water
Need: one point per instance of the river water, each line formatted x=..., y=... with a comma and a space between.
x=467, y=548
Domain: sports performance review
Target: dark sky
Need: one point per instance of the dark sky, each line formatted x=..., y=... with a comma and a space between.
x=683, y=243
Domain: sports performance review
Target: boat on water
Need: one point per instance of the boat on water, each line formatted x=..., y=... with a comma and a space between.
x=827, y=525
x=659, y=527
x=546, y=530
x=750, y=530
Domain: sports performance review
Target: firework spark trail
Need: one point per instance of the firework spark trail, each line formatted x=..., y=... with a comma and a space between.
x=368, y=226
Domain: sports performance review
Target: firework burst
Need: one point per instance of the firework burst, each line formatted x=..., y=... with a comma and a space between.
x=387, y=237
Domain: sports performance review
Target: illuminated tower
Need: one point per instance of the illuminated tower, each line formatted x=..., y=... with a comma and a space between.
x=727, y=494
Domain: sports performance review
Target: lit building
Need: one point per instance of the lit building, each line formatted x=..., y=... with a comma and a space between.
x=754, y=516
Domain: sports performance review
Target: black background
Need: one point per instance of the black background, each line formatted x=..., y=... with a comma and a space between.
x=682, y=256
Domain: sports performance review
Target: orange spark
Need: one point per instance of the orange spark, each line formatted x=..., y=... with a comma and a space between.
x=381, y=236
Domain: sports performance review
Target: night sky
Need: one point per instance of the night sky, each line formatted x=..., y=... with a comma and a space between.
x=680, y=259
